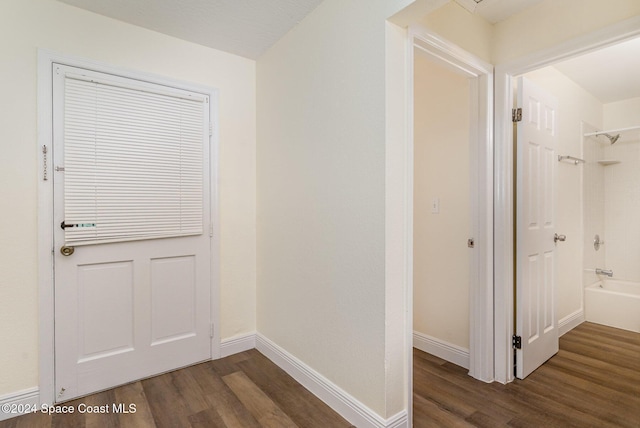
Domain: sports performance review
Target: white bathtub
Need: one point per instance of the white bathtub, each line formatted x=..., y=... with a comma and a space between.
x=613, y=303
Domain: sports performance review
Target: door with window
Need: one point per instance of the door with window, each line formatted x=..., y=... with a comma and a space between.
x=132, y=221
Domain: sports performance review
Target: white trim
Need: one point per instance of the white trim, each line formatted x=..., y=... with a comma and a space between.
x=46, y=310
x=571, y=321
x=237, y=344
x=339, y=400
x=481, y=293
x=27, y=398
x=504, y=182
x=447, y=351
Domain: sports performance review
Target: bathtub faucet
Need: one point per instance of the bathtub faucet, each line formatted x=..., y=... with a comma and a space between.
x=608, y=273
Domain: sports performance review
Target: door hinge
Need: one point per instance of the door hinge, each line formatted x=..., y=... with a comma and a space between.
x=211, y=231
x=516, y=115
x=516, y=341
x=210, y=129
x=211, y=331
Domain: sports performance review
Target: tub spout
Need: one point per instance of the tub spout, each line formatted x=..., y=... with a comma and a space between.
x=608, y=273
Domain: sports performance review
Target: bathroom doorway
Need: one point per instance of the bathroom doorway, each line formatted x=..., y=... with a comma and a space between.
x=597, y=112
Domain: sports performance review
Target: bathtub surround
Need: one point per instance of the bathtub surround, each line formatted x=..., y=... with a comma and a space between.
x=614, y=303
x=622, y=192
x=593, y=205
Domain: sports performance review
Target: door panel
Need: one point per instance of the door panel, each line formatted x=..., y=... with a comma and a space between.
x=536, y=321
x=131, y=309
x=173, y=308
x=105, y=309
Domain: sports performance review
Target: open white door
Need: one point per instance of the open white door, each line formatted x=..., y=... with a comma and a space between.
x=132, y=241
x=536, y=323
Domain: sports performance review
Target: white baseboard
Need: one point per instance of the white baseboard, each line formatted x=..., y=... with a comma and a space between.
x=570, y=322
x=19, y=401
x=347, y=406
x=445, y=350
x=237, y=344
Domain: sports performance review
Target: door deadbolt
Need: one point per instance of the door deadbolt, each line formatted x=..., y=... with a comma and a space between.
x=67, y=251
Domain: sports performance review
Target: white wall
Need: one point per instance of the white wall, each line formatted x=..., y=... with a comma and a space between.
x=441, y=170
x=551, y=22
x=26, y=26
x=322, y=292
x=457, y=25
x=622, y=191
x=540, y=27
x=575, y=106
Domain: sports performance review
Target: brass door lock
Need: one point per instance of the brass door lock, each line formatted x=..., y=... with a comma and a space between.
x=67, y=251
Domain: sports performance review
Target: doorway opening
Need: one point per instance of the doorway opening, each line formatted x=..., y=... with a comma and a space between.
x=452, y=187
x=579, y=185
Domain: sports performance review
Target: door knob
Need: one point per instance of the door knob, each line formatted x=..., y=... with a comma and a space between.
x=560, y=238
x=67, y=251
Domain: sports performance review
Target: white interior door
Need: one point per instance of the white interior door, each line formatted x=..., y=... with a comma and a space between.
x=133, y=298
x=536, y=322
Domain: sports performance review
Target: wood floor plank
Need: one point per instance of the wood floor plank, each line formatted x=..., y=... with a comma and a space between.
x=208, y=418
x=427, y=414
x=558, y=388
x=257, y=402
x=98, y=410
x=593, y=381
x=297, y=402
x=221, y=399
x=68, y=420
x=167, y=405
x=133, y=395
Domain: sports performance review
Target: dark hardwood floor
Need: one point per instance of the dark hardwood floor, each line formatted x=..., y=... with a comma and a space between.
x=241, y=391
x=594, y=381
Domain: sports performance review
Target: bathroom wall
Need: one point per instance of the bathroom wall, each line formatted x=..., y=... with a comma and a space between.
x=622, y=191
x=441, y=171
x=575, y=107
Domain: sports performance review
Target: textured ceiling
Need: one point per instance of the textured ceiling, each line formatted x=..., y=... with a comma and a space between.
x=242, y=27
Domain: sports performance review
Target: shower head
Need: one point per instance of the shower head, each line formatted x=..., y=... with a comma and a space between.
x=612, y=138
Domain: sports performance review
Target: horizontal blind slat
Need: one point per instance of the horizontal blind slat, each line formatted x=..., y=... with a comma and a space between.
x=133, y=163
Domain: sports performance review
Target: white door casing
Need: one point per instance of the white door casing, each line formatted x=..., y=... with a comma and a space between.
x=536, y=321
x=481, y=297
x=127, y=310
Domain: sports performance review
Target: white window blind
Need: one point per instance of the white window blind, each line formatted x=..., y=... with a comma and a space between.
x=133, y=162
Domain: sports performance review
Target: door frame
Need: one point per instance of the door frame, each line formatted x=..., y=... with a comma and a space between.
x=504, y=178
x=46, y=308
x=481, y=364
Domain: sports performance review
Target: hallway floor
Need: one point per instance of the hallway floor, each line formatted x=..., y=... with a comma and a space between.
x=594, y=381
